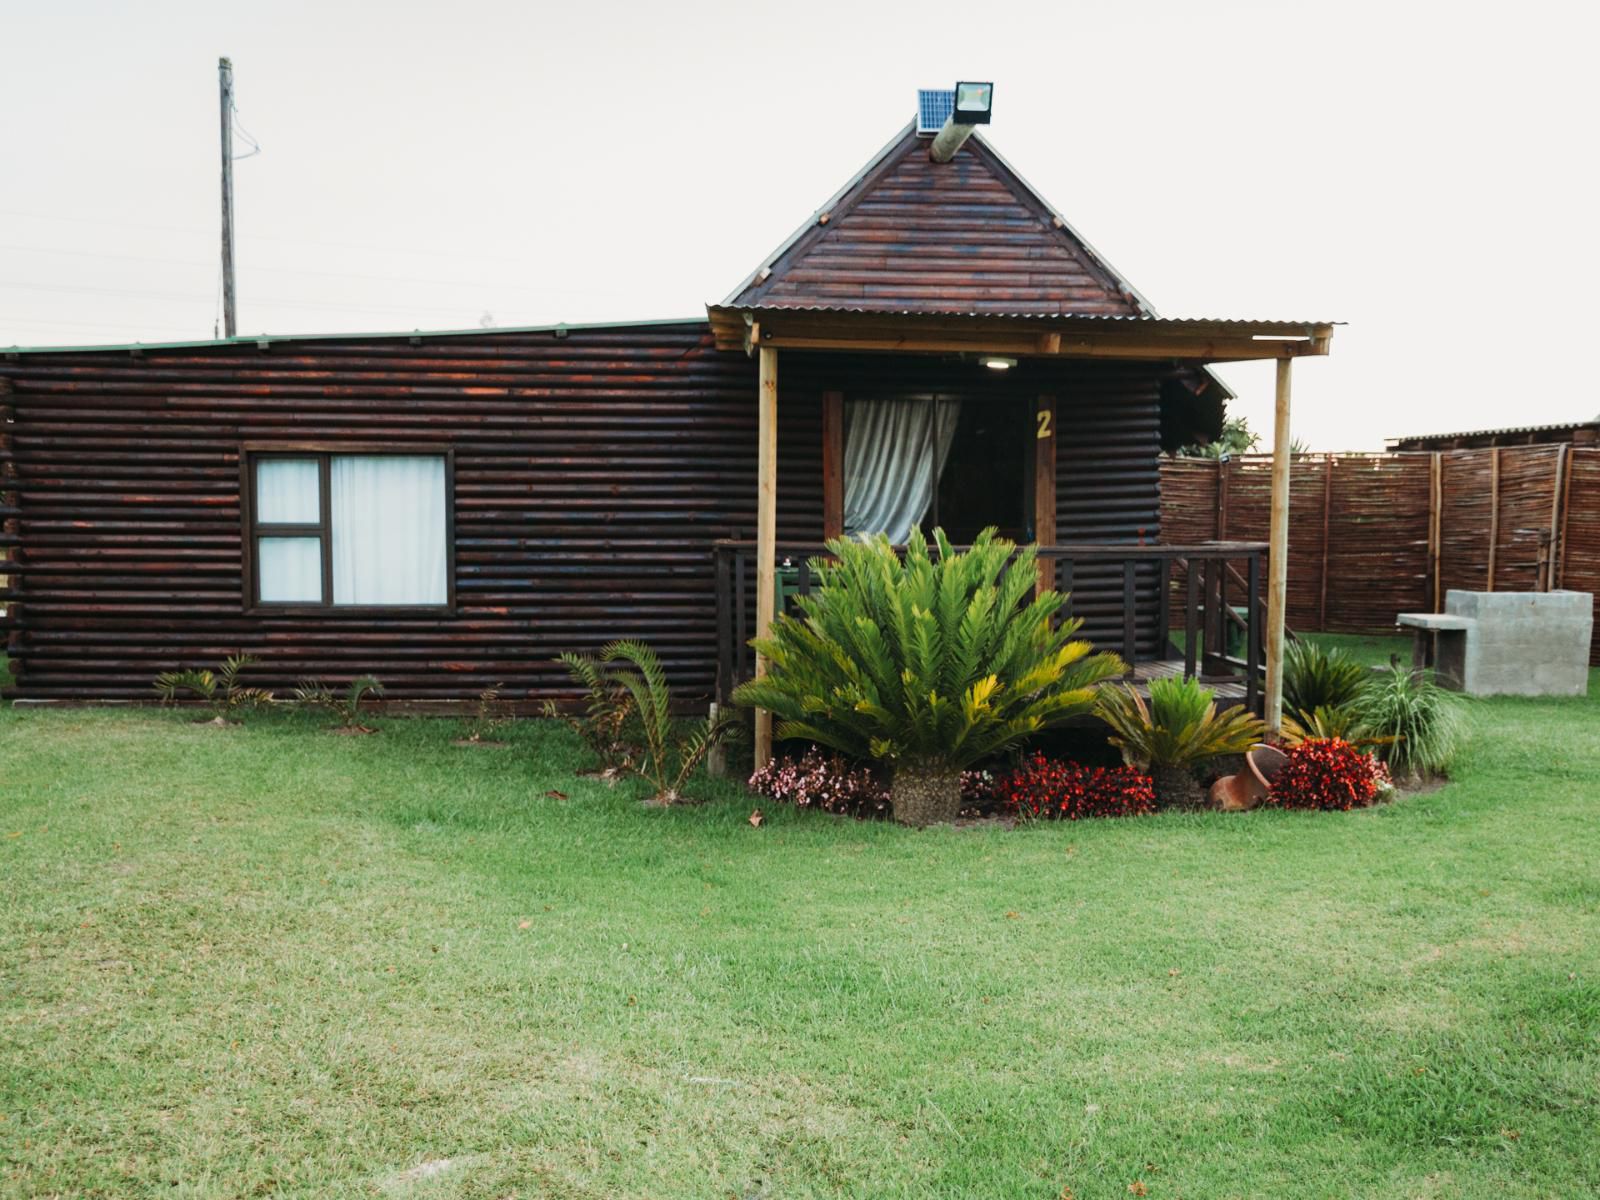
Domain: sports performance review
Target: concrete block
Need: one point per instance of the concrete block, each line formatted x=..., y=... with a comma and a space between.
x=1523, y=643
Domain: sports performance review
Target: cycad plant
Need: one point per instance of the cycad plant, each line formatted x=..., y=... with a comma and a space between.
x=1177, y=729
x=605, y=714
x=345, y=705
x=669, y=751
x=1319, y=677
x=221, y=690
x=927, y=665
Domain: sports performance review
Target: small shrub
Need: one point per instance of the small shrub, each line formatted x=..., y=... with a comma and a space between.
x=1178, y=729
x=219, y=690
x=1047, y=789
x=1328, y=774
x=833, y=784
x=1319, y=677
x=490, y=714
x=345, y=706
x=1421, y=721
x=824, y=781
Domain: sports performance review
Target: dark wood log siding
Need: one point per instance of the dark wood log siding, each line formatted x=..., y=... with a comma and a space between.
x=1108, y=481
x=591, y=474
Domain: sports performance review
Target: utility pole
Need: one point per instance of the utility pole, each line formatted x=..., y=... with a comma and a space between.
x=225, y=81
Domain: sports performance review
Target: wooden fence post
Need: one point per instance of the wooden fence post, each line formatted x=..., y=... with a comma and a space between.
x=1327, y=505
x=1436, y=524
x=1494, y=513
x=1557, y=486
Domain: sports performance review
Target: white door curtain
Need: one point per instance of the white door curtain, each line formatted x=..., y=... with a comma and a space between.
x=894, y=450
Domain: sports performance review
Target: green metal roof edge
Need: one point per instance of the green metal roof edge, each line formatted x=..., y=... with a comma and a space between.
x=256, y=338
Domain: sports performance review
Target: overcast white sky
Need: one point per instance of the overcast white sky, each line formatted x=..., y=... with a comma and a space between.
x=1424, y=171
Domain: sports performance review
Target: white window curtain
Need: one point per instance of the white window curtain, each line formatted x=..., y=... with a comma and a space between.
x=893, y=452
x=287, y=492
x=388, y=529
x=290, y=569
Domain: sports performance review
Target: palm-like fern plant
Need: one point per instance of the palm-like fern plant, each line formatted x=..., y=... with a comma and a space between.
x=1178, y=728
x=670, y=753
x=220, y=690
x=928, y=665
x=346, y=705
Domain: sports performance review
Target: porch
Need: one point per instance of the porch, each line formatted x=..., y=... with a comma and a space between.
x=1168, y=610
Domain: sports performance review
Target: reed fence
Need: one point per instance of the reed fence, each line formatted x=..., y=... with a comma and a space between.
x=1372, y=535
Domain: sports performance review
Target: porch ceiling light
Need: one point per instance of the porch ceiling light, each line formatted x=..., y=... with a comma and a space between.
x=973, y=102
x=996, y=362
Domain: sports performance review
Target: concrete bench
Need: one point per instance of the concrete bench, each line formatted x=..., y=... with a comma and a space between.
x=1506, y=643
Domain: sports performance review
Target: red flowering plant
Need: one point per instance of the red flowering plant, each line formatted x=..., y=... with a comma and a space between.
x=1048, y=789
x=1328, y=774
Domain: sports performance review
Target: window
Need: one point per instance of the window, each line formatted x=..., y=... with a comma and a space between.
x=355, y=529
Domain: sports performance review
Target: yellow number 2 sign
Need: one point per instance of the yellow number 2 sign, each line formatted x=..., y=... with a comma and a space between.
x=1043, y=417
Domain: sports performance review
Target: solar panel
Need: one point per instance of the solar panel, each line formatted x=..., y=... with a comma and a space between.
x=933, y=108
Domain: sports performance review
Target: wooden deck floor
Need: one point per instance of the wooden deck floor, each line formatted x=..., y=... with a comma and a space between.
x=1227, y=688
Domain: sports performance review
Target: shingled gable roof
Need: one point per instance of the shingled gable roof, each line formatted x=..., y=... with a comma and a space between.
x=969, y=236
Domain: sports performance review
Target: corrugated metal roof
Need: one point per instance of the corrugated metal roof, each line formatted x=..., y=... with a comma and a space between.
x=256, y=338
x=1502, y=430
x=1146, y=318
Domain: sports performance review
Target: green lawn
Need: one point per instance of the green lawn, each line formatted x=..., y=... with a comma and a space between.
x=272, y=961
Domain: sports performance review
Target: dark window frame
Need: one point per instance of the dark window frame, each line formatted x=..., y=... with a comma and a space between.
x=252, y=453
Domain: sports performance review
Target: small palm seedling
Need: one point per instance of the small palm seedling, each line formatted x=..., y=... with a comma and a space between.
x=670, y=751
x=345, y=706
x=606, y=709
x=1318, y=677
x=1177, y=730
x=490, y=714
x=1421, y=721
x=221, y=690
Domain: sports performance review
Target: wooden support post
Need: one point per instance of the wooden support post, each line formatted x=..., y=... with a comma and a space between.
x=832, y=465
x=1044, y=484
x=1494, y=514
x=1566, y=514
x=766, y=531
x=1436, y=526
x=1327, y=506
x=1278, y=549
x=1557, y=487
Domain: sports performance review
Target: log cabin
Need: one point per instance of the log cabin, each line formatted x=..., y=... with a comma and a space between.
x=936, y=345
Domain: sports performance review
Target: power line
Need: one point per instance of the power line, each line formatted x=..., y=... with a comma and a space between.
x=189, y=262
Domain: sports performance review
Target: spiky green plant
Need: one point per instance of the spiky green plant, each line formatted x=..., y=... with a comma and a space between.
x=930, y=663
x=671, y=750
x=345, y=705
x=1421, y=720
x=1319, y=677
x=220, y=690
x=1325, y=723
x=1179, y=726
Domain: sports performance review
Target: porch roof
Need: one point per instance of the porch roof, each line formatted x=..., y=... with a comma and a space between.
x=1188, y=340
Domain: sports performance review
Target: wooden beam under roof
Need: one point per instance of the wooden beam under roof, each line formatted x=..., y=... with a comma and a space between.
x=1023, y=337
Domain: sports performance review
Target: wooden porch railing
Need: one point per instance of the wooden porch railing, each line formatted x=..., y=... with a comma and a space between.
x=1192, y=580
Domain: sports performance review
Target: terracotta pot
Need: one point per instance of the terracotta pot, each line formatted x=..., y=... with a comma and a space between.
x=1247, y=789
x=921, y=797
